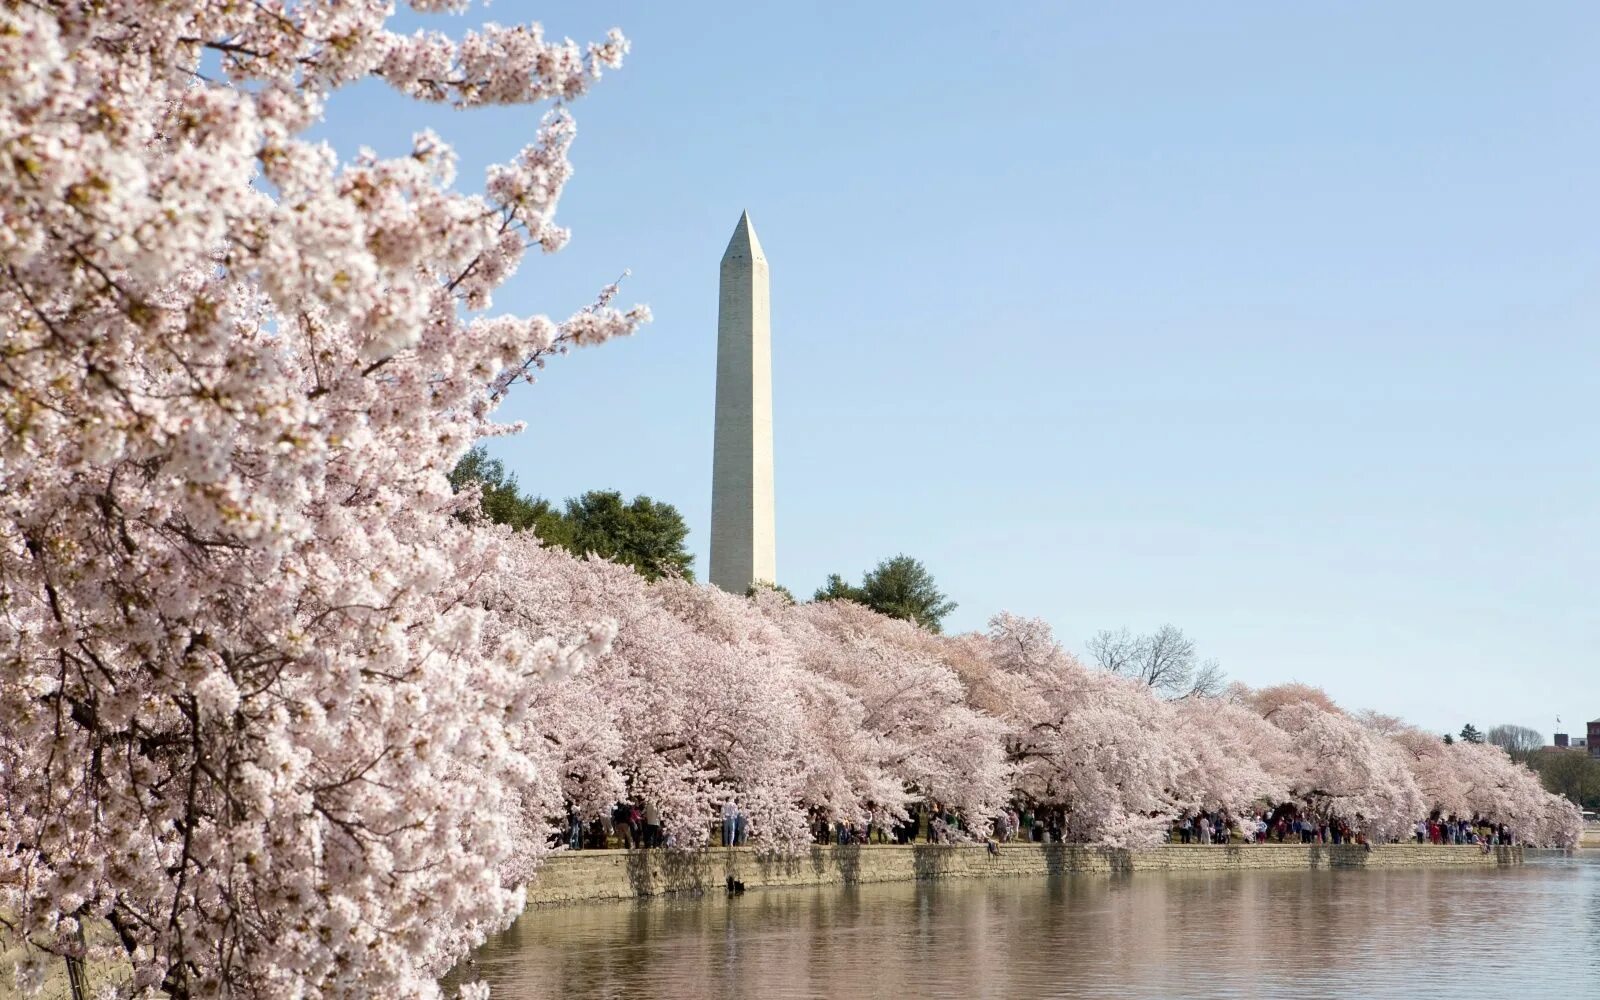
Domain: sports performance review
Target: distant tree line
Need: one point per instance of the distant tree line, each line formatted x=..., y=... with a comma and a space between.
x=643, y=533
x=1571, y=772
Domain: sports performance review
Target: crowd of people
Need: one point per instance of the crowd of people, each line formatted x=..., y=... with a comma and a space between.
x=1285, y=825
x=631, y=825
x=627, y=824
x=1453, y=830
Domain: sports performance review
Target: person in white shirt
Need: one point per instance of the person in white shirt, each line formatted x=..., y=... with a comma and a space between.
x=730, y=820
x=652, y=825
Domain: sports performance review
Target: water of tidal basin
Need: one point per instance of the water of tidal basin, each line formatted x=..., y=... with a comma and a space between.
x=1529, y=931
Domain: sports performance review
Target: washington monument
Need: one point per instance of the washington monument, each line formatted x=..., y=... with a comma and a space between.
x=743, y=550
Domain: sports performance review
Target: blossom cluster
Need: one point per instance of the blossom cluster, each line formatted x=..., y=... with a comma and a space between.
x=247, y=714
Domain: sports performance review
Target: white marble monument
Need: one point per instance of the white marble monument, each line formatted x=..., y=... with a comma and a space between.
x=743, y=546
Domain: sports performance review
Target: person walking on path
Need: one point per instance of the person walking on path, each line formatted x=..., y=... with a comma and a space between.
x=730, y=822
x=574, y=829
x=652, y=825
x=619, y=823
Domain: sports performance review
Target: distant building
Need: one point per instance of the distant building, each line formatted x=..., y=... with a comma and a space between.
x=1590, y=742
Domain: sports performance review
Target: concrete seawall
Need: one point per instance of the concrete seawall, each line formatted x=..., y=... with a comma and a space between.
x=584, y=876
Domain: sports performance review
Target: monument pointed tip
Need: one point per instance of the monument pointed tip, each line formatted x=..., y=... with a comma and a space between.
x=744, y=245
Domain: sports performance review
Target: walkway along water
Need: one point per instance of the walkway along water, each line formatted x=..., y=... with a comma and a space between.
x=621, y=874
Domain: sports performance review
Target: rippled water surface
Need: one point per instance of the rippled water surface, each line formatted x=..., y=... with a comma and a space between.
x=1529, y=931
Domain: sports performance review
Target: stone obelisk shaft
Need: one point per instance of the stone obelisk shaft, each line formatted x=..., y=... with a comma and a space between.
x=743, y=545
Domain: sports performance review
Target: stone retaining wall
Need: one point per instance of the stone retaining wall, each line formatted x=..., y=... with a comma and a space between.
x=595, y=875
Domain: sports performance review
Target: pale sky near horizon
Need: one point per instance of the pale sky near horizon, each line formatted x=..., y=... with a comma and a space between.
x=1273, y=321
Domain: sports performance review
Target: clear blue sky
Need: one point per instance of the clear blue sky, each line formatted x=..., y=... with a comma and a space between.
x=1274, y=322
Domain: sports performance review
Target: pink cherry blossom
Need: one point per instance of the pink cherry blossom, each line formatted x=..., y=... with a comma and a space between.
x=248, y=713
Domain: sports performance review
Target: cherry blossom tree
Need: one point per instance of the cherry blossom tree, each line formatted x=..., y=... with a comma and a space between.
x=247, y=713
x=1236, y=759
x=917, y=734
x=696, y=701
x=1480, y=780
x=1268, y=701
x=1101, y=747
x=717, y=714
x=705, y=696
x=1344, y=771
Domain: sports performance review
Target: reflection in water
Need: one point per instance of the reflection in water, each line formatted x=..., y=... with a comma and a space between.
x=1530, y=931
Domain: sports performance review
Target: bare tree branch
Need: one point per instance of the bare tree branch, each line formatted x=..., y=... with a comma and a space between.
x=1165, y=661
